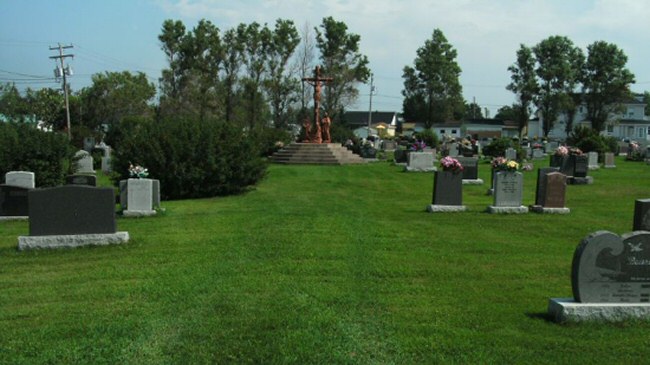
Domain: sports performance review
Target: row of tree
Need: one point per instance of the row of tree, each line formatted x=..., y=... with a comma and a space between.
x=556, y=77
x=553, y=77
x=249, y=75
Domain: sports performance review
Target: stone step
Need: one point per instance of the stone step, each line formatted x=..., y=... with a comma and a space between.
x=311, y=153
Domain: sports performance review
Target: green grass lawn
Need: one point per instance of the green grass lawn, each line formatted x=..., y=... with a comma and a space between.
x=326, y=265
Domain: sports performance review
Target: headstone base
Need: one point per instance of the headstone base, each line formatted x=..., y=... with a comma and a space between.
x=138, y=213
x=472, y=181
x=507, y=210
x=437, y=208
x=610, y=166
x=545, y=210
x=567, y=310
x=593, y=167
x=13, y=218
x=580, y=180
x=72, y=240
x=420, y=169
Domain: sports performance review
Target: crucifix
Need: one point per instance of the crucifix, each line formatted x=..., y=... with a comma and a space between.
x=316, y=82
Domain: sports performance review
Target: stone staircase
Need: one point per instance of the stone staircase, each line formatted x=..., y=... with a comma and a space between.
x=317, y=154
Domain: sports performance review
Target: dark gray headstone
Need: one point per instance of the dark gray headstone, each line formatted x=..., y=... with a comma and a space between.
x=642, y=215
x=608, y=268
x=447, y=188
x=400, y=155
x=470, y=167
x=540, y=191
x=565, y=163
x=581, y=166
x=508, y=189
x=555, y=191
x=88, y=180
x=13, y=201
x=71, y=209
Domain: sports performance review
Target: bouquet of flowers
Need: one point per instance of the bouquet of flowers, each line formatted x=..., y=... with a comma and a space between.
x=451, y=164
x=418, y=146
x=562, y=151
x=501, y=164
x=138, y=171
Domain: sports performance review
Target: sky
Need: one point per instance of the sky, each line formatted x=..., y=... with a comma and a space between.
x=122, y=35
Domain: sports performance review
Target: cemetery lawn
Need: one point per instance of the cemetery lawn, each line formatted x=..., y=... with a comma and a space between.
x=322, y=265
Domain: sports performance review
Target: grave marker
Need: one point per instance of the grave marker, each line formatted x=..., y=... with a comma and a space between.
x=592, y=161
x=420, y=161
x=447, y=192
x=24, y=179
x=13, y=202
x=89, y=180
x=609, y=160
x=508, y=192
x=84, y=164
x=641, y=215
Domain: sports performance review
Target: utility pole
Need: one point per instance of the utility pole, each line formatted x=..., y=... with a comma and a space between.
x=372, y=90
x=64, y=72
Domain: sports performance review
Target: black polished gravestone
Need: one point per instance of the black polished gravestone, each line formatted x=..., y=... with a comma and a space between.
x=447, y=188
x=89, y=180
x=470, y=167
x=13, y=201
x=608, y=268
x=71, y=210
x=641, y=215
x=581, y=166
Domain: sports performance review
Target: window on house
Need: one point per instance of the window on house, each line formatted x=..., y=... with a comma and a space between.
x=610, y=128
x=442, y=131
x=453, y=131
x=582, y=109
x=640, y=132
x=648, y=132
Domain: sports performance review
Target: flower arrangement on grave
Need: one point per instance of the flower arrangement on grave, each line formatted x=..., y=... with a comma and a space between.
x=575, y=151
x=418, y=146
x=451, y=164
x=537, y=145
x=635, y=153
x=279, y=145
x=562, y=151
x=138, y=172
x=502, y=164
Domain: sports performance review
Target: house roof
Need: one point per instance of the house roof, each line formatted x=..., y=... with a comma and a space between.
x=360, y=118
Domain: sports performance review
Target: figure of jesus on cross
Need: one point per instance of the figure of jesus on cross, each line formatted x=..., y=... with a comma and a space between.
x=316, y=82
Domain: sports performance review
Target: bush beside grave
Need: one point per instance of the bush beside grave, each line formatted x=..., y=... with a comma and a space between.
x=191, y=158
x=499, y=146
x=23, y=147
x=589, y=140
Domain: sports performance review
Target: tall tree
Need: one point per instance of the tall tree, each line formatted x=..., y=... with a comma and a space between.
x=508, y=112
x=343, y=62
x=47, y=105
x=114, y=96
x=432, y=91
x=256, y=51
x=305, y=64
x=12, y=104
x=606, y=82
x=472, y=111
x=523, y=84
x=234, y=42
x=557, y=74
x=171, y=38
x=281, y=86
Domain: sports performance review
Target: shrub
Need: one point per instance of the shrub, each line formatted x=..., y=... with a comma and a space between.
x=191, y=158
x=499, y=146
x=25, y=148
x=590, y=140
x=429, y=137
x=271, y=140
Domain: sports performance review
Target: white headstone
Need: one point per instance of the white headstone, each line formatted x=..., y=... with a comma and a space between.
x=24, y=179
x=420, y=161
x=84, y=163
x=511, y=154
x=593, y=161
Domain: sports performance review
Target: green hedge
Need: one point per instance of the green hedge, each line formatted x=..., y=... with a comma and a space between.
x=191, y=158
x=23, y=147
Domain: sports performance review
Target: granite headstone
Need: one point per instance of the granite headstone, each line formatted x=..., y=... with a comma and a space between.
x=608, y=268
x=14, y=201
x=24, y=179
x=540, y=192
x=470, y=167
x=71, y=210
x=641, y=215
x=508, y=189
x=84, y=163
x=89, y=180
x=447, y=188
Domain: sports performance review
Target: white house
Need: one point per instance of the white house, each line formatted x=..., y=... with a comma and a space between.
x=630, y=123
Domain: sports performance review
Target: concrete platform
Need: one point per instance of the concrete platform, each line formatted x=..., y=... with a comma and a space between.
x=472, y=181
x=436, y=208
x=14, y=218
x=567, y=310
x=507, y=210
x=138, y=213
x=69, y=241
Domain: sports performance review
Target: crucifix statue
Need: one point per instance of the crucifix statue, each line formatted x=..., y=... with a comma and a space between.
x=314, y=134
